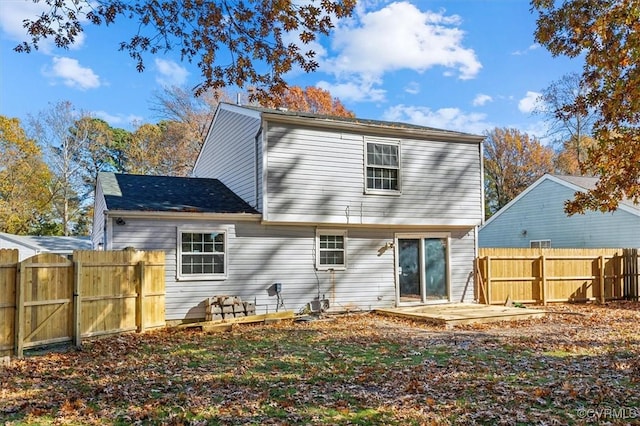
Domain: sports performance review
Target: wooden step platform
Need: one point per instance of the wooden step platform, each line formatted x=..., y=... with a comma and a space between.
x=462, y=313
x=227, y=324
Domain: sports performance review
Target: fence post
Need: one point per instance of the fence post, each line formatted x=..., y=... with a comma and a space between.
x=21, y=278
x=480, y=295
x=543, y=277
x=635, y=282
x=488, y=280
x=476, y=278
x=601, y=279
x=77, y=307
x=140, y=299
x=618, y=264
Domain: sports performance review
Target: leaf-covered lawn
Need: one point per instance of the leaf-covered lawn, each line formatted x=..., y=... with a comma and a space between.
x=575, y=367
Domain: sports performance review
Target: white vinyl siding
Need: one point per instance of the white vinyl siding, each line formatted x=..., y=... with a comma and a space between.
x=259, y=256
x=98, y=231
x=462, y=254
x=230, y=155
x=316, y=176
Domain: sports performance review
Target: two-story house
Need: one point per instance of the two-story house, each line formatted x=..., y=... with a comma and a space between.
x=366, y=214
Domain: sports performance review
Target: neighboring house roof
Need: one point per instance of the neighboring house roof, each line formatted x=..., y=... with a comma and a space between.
x=49, y=243
x=576, y=183
x=587, y=182
x=125, y=192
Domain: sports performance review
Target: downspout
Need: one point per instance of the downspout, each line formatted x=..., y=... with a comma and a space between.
x=476, y=230
x=482, y=201
x=256, y=166
x=264, y=147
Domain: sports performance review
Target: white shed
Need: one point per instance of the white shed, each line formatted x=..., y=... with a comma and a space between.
x=30, y=245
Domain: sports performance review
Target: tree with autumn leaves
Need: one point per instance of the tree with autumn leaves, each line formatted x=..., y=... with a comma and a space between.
x=568, y=130
x=310, y=99
x=25, y=180
x=606, y=33
x=512, y=161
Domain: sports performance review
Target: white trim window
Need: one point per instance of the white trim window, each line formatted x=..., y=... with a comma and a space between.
x=331, y=249
x=382, y=167
x=539, y=243
x=202, y=254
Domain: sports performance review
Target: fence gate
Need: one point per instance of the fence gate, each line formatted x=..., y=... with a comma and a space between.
x=8, y=263
x=631, y=274
x=44, y=301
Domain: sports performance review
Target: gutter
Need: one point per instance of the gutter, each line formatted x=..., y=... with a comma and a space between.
x=183, y=215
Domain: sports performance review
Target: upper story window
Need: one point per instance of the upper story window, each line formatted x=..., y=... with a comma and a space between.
x=540, y=243
x=331, y=249
x=202, y=254
x=382, y=167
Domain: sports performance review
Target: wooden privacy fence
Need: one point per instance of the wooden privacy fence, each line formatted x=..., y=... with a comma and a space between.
x=556, y=275
x=49, y=299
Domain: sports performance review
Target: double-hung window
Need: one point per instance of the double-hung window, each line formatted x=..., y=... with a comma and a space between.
x=382, y=167
x=331, y=249
x=202, y=254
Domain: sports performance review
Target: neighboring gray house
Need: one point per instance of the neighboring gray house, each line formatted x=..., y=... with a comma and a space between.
x=30, y=245
x=364, y=213
x=536, y=218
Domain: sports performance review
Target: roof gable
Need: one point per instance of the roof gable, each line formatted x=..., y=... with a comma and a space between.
x=125, y=192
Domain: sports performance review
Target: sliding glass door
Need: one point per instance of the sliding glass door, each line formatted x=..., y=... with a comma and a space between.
x=422, y=268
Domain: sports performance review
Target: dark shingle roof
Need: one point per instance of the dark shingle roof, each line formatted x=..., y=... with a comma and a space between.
x=170, y=194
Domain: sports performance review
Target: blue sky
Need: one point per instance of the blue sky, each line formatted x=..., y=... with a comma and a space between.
x=465, y=65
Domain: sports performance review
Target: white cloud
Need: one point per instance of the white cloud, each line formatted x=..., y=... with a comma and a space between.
x=444, y=118
x=119, y=120
x=413, y=88
x=481, y=99
x=170, y=73
x=15, y=12
x=72, y=73
x=400, y=36
x=355, y=91
x=529, y=102
x=527, y=50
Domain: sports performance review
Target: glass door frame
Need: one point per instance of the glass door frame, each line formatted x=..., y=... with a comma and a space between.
x=422, y=236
